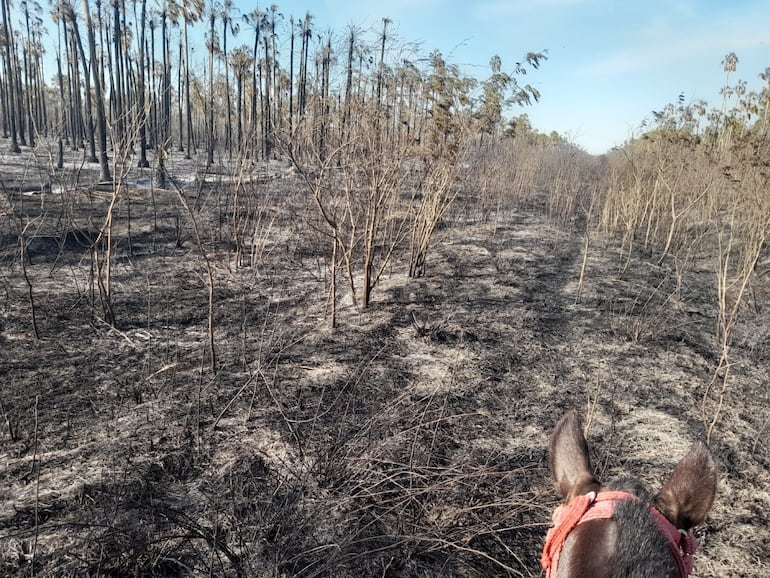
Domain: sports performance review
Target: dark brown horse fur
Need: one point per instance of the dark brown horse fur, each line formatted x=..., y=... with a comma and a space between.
x=630, y=544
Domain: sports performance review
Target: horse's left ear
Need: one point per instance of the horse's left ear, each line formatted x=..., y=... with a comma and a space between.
x=570, y=461
x=687, y=496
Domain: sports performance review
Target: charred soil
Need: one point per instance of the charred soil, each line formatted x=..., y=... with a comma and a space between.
x=409, y=441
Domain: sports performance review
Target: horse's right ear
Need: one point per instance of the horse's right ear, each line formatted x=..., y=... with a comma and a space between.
x=570, y=462
x=687, y=496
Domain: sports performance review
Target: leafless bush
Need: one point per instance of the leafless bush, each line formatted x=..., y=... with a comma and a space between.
x=358, y=189
x=692, y=192
x=570, y=177
x=501, y=173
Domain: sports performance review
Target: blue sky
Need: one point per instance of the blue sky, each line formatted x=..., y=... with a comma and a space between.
x=610, y=62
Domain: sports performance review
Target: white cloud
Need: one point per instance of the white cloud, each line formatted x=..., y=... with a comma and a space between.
x=663, y=44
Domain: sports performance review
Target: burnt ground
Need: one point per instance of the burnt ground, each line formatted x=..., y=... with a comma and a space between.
x=409, y=441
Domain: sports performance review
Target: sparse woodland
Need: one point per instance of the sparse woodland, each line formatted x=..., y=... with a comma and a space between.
x=303, y=302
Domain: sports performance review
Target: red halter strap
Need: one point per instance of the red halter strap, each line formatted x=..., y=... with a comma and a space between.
x=601, y=506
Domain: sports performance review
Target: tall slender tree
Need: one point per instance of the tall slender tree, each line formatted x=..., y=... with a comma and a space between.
x=275, y=71
x=164, y=138
x=191, y=13
x=267, y=143
x=101, y=117
x=213, y=48
x=348, y=83
x=381, y=67
x=29, y=96
x=115, y=64
x=254, y=21
x=142, y=116
x=241, y=63
x=7, y=38
x=306, y=36
x=291, y=77
x=228, y=24
x=78, y=49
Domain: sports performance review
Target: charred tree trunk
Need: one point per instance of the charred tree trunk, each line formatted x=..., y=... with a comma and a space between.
x=116, y=74
x=143, y=162
x=101, y=120
x=87, y=81
x=188, y=108
x=212, y=47
x=9, y=79
x=291, y=83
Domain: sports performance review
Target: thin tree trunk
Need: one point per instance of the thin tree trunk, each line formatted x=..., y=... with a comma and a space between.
x=239, y=110
x=180, y=96
x=116, y=72
x=254, y=85
x=28, y=79
x=30, y=98
x=20, y=97
x=303, y=72
x=165, y=121
x=3, y=99
x=101, y=120
x=67, y=116
x=275, y=68
x=291, y=84
x=229, y=124
x=143, y=162
x=212, y=41
x=87, y=80
x=266, y=102
x=150, y=67
x=9, y=77
x=187, y=91
x=348, y=85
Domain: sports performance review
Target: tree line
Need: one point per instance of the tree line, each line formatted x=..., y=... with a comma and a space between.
x=126, y=82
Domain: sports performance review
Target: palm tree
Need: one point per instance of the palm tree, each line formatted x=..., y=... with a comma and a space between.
x=143, y=162
x=101, y=120
x=291, y=78
x=191, y=13
x=275, y=71
x=381, y=68
x=164, y=128
x=77, y=41
x=29, y=97
x=306, y=35
x=74, y=121
x=254, y=20
x=62, y=131
x=7, y=39
x=116, y=77
x=241, y=61
x=213, y=47
x=266, y=124
x=348, y=82
x=228, y=24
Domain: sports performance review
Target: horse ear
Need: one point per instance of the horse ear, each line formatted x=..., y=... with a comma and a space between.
x=570, y=462
x=687, y=496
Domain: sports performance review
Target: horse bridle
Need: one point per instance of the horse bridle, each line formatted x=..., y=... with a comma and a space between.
x=601, y=506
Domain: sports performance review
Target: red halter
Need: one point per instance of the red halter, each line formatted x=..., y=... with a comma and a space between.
x=602, y=507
